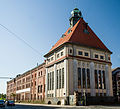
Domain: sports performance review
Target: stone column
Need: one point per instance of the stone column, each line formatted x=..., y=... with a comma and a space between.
x=65, y=77
x=107, y=80
x=75, y=75
x=98, y=79
x=108, y=77
x=55, y=82
x=92, y=79
x=46, y=83
x=110, y=80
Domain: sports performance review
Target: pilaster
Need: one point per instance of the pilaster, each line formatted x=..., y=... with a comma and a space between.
x=92, y=79
x=46, y=83
x=75, y=75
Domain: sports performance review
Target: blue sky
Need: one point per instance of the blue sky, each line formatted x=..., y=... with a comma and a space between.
x=42, y=22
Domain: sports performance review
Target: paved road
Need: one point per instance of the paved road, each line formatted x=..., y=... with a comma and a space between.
x=25, y=106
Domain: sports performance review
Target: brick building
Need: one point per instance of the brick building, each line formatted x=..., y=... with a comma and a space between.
x=29, y=85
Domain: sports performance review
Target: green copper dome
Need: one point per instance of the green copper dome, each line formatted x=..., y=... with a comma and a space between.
x=76, y=10
x=75, y=16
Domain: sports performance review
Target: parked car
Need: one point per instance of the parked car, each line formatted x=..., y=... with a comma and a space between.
x=10, y=103
x=2, y=103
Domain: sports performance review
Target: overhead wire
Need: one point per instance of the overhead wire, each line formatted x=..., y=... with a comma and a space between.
x=6, y=78
x=20, y=39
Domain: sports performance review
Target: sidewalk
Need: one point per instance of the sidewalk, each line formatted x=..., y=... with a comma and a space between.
x=49, y=105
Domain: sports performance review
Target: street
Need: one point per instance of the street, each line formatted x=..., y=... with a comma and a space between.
x=37, y=106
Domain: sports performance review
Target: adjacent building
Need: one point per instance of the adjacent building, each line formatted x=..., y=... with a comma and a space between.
x=116, y=82
x=29, y=85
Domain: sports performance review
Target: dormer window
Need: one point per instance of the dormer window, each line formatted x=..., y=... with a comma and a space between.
x=86, y=31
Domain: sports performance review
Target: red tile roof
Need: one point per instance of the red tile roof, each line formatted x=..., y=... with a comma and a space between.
x=78, y=36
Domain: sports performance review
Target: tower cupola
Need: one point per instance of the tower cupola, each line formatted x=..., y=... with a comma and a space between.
x=75, y=16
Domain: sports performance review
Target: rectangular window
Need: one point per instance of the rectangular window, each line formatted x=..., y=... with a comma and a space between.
x=57, y=55
x=61, y=53
x=84, y=79
x=100, y=81
x=41, y=89
x=80, y=53
x=51, y=58
x=52, y=80
x=70, y=51
x=48, y=60
x=109, y=58
x=79, y=77
x=62, y=77
x=41, y=73
x=57, y=79
x=88, y=78
x=96, y=80
x=48, y=82
x=101, y=57
x=38, y=89
x=96, y=56
x=104, y=85
x=86, y=54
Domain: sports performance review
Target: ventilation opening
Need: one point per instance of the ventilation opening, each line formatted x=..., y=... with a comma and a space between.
x=49, y=102
x=59, y=103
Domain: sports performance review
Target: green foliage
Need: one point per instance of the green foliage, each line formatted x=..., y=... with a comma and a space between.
x=2, y=96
